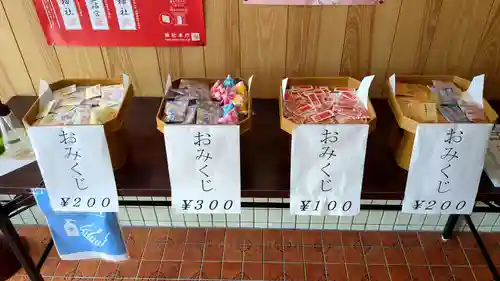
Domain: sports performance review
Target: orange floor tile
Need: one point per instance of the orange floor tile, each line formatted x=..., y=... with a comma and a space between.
x=253, y=254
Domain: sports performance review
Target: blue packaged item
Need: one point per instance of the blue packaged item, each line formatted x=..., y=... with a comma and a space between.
x=81, y=236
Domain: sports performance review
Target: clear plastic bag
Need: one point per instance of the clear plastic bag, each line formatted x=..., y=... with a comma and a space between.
x=175, y=111
x=197, y=89
x=190, y=114
x=208, y=113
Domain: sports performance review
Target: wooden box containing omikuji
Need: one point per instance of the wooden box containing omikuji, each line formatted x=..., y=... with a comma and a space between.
x=206, y=101
x=433, y=99
x=80, y=102
x=325, y=100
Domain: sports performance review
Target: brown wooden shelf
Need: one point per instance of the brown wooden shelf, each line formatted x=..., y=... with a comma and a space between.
x=265, y=157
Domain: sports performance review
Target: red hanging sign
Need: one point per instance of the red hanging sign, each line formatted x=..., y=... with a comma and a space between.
x=314, y=2
x=122, y=22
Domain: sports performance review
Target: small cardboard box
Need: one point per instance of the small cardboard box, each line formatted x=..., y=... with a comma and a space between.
x=332, y=82
x=405, y=137
x=245, y=124
x=112, y=128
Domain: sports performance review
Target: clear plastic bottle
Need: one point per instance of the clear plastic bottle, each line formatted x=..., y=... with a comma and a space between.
x=15, y=140
x=2, y=147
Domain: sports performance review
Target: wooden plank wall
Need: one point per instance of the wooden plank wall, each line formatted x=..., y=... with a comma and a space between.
x=459, y=37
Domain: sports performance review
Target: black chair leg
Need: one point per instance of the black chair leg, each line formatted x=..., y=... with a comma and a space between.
x=449, y=227
x=15, y=243
x=484, y=251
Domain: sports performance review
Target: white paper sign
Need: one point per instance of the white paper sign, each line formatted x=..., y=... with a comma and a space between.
x=204, y=168
x=125, y=14
x=494, y=150
x=69, y=14
x=97, y=14
x=327, y=169
x=8, y=164
x=445, y=168
x=76, y=167
x=492, y=158
x=476, y=89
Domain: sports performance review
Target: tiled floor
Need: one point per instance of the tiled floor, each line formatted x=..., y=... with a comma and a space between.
x=251, y=254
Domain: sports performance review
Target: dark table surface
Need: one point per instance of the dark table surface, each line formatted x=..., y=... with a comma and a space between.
x=265, y=157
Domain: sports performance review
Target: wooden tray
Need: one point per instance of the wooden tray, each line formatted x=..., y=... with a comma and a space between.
x=112, y=128
x=404, y=136
x=245, y=124
x=332, y=82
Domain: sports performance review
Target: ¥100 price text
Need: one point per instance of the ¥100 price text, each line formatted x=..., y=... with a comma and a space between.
x=309, y=205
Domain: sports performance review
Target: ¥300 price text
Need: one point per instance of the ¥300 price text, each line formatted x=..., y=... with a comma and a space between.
x=211, y=205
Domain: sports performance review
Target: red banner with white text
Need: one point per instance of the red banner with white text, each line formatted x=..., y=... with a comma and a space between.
x=122, y=22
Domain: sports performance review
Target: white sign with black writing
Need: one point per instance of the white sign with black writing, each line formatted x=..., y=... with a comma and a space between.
x=76, y=167
x=98, y=17
x=70, y=15
x=491, y=159
x=327, y=169
x=204, y=168
x=125, y=13
x=445, y=168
